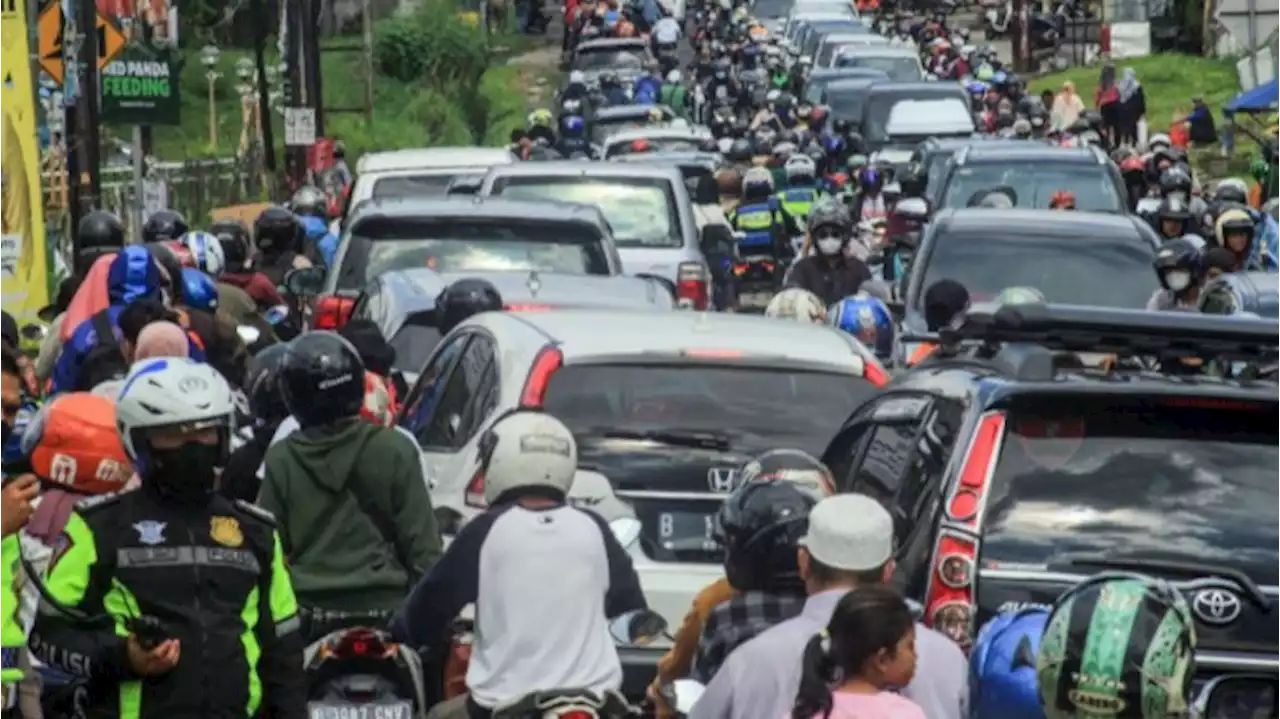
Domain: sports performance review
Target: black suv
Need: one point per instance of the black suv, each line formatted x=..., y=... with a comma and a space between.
x=1012, y=471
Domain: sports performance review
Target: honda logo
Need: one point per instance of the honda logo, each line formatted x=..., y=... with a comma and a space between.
x=722, y=480
x=1216, y=606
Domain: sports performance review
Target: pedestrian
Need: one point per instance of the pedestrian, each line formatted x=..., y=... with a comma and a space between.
x=1066, y=107
x=1107, y=100
x=1200, y=126
x=1133, y=110
x=848, y=548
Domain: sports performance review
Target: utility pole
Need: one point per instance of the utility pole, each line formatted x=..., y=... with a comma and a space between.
x=86, y=130
x=296, y=92
x=264, y=94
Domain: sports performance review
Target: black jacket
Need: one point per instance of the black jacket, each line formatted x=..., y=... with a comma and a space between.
x=831, y=280
x=203, y=572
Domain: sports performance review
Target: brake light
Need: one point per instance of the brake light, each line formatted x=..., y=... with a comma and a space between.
x=474, y=494
x=360, y=642
x=545, y=364
x=693, y=291
x=712, y=354
x=950, y=597
x=331, y=312
x=527, y=307
x=577, y=714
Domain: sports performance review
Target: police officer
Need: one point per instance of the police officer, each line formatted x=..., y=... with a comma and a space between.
x=767, y=226
x=829, y=272
x=202, y=615
x=802, y=191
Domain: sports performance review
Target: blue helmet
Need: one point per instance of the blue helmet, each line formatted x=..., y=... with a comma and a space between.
x=866, y=318
x=199, y=290
x=1002, y=666
x=133, y=275
x=573, y=125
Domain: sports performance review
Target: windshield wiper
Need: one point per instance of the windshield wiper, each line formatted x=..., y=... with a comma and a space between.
x=1191, y=569
x=703, y=439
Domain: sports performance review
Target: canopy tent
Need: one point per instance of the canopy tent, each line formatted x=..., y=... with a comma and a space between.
x=1263, y=98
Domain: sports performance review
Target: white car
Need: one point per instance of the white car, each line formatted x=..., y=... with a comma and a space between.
x=665, y=407
x=420, y=173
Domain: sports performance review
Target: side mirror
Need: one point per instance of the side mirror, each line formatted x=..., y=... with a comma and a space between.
x=248, y=334
x=640, y=627
x=33, y=332
x=305, y=281
x=1249, y=695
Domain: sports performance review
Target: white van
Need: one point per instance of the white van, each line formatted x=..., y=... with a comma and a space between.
x=425, y=172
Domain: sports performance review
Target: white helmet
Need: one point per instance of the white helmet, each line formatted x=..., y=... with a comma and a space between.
x=167, y=392
x=673, y=77
x=577, y=77
x=1159, y=139
x=797, y=304
x=527, y=448
x=800, y=166
x=758, y=176
x=206, y=252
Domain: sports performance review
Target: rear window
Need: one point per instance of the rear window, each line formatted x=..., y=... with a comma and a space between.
x=1173, y=479
x=458, y=245
x=846, y=102
x=760, y=408
x=412, y=186
x=658, y=144
x=608, y=58
x=1035, y=183
x=414, y=342
x=641, y=211
x=899, y=69
x=876, y=114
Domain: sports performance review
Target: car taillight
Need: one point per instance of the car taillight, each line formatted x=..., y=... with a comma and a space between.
x=576, y=714
x=693, y=291
x=331, y=312
x=545, y=364
x=474, y=494
x=950, y=596
x=527, y=307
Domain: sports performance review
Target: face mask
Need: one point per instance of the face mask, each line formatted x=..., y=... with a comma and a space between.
x=1178, y=280
x=829, y=245
x=185, y=474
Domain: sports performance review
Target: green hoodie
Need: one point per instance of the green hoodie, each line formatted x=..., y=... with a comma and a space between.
x=335, y=549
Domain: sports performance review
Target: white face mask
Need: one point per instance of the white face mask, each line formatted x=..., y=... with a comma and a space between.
x=830, y=245
x=1178, y=280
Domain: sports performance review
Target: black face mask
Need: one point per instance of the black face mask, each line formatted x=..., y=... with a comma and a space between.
x=186, y=474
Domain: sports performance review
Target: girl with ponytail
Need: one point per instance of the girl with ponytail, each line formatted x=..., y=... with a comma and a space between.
x=852, y=667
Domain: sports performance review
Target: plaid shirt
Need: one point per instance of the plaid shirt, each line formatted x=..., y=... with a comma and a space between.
x=737, y=621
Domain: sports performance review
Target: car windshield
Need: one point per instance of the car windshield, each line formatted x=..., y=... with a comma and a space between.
x=899, y=69
x=1177, y=479
x=657, y=144
x=608, y=59
x=1099, y=272
x=846, y=101
x=458, y=245
x=414, y=342
x=641, y=211
x=602, y=130
x=1035, y=183
x=760, y=408
x=433, y=185
x=772, y=9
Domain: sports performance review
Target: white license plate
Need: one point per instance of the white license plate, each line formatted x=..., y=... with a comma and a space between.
x=334, y=710
x=752, y=300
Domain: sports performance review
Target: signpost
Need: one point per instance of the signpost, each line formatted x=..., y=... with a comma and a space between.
x=299, y=126
x=51, y=27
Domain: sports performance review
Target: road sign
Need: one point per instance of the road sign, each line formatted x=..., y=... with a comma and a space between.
x=299, y=126
x=110, y=41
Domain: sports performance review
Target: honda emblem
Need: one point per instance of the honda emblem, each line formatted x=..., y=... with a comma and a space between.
x=722, y=480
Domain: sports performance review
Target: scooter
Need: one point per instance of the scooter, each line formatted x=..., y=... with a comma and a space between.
x=361, y=672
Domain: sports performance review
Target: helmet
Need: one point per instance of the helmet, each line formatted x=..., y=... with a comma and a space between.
x=790, y=465
x=740, y=151
x=321, y=379
x=673, y=77
x=277, y=230
x=1159, y=140
x=866, y=318
x=1173, y=208
x=73, y=441
x=830, y=214
x=163, y=226
x=577, y=77
x=1234, y=220
x=871, y=179
x=800, y=169
x=100, y=229
x=527, y=450
x=1020, y=296
x=206, y=252
x=233, y=238
x=199, y=291
x=172, y=392
x=170, y=268
x=1137, y=638
x=309, y=201
x=757, y=179
x=262, y=386
x=1003, y=665
x=1177, y=264
x=1232, y=189
x=1022, y=127
x=464, y=299
x=1175, y=179
x=760, y=526
x=797, y=304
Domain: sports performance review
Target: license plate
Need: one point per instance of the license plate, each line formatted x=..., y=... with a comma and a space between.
x=685, y=531
x=754, y=300
x=343, y=710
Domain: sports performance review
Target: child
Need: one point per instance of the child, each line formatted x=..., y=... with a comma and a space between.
x=870, y=645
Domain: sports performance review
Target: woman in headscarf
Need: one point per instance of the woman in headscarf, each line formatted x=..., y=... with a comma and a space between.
x=1067, y=107
x=1132, y=109
x=161, y=339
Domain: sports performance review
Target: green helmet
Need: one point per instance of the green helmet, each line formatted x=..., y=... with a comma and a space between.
x=1120, y=646
x=1020, y=296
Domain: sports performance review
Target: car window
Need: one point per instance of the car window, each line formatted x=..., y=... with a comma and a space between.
x=453, y=419
x=1095, y=271
x=899, y=69
x=414, y=342
x=482, y=244
x=412, y=186
x=1035, y=183
x=657, y=144
x=425, y=395
x=1173, y=478
x=772, y=9
x=641, y=211
x=846, y=101
x=607, y=59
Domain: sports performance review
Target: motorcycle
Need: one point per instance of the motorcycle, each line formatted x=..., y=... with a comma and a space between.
x=360, y=672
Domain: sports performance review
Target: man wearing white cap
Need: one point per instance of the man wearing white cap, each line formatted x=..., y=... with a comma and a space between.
x=849, y=544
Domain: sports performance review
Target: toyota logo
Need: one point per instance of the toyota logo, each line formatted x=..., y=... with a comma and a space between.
x=722, y=480
x=1216, y=606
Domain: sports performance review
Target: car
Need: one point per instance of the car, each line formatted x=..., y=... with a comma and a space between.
x=698, y=169
x=830, y=45
x=625, y=57
x=914, y=121
x=822, y=78
x=419, y=173
x=451, y=235
x=665, y=406
x=824, y=10
x=1072, y=257
x=800, y=28
x=1013, y=473
x=1234, y=292
x=929, y=159
x=607, y=121
x=901, y=64
x=402, y=302
x=1035, y=171
x=883, y=96
x=772, y=13
x=647, y=205
x=658, y=139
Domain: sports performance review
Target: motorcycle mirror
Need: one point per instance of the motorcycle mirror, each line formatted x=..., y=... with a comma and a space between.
x=248, y=334
x=1239, y=696
x=305, y=281
x=687, y=693
x=34, y=332
x=641, y=626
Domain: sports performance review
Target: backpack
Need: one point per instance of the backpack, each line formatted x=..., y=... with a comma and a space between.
x=104, y=361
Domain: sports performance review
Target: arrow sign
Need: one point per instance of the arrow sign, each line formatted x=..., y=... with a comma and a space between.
x=49, y=46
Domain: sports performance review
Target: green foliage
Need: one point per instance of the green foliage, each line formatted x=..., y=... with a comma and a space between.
x=434, y=45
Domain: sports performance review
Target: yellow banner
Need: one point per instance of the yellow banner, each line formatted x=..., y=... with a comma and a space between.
x=23, y=268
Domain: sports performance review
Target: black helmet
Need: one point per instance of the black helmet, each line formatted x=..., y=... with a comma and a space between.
x=163, y=226
x=1177, y=254
x=1175, y=179
x=171, y=268
x=740, y=150
x=464, y=299
x=790, y=465
x=262, y=385
x=310, y=201
x=760, y=526
x=1174, y=208
x=234, y=237
x=321, y=379
x=276, y=230
x=98, y=234
x=831, y=214
x=1234, y=192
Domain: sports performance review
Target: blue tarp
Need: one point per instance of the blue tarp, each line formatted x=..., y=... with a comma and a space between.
x=1260, y=99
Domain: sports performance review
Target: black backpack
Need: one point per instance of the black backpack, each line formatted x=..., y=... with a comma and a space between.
x=104, y=361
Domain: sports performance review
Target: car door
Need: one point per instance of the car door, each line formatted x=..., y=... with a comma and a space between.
x=418, y=410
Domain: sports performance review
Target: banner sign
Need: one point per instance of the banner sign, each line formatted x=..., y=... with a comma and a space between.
x=140, y=87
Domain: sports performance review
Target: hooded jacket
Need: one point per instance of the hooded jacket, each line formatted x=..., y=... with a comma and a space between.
x=354, y=515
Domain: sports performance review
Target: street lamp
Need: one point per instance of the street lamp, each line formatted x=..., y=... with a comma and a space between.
x=251, y=123
x=209, y=56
